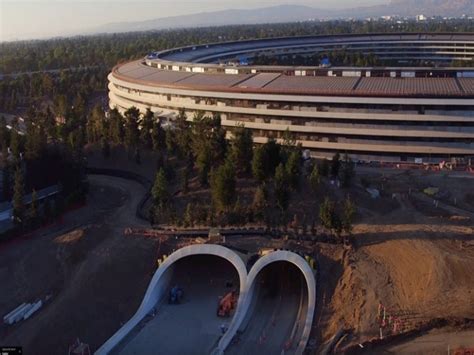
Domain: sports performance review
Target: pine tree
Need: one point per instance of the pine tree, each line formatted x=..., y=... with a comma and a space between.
x=282, y=191
x=15, y=145
x=131, y=128
x=315, y=177
x=258, y=164
x=36, y=141
x=329, y=217
x=18, y=195
x=183, y=133
x=185, y=181
x=289, y=141
x=259, y=201
x=79, y=105
x=207, y=140
x=95, y=125
x=326, y=211
x=61, y=106
x=170, y=141
x=272, y=156
x=223, y=186
x=158, y=136
x=76, y=144
x=349, y=212
x=49, y=124
x=219, y=144
x=116, y=127
x=241, y=149
x=146, y=129
x=159, y=191
x=203, y=164
x=293, y=168
x=346, y=172
x=30, y=151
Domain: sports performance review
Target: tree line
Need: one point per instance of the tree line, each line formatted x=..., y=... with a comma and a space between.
x=45, y=154
x=57, y=90
x=109, y=49
x=195, y=147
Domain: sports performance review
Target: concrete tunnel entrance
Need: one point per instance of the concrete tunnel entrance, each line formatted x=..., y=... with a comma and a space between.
x=276, y=317
x=192, y=326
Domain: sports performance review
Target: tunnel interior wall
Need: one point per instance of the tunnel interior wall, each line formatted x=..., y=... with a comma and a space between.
x=242, y=312
x=160, y=283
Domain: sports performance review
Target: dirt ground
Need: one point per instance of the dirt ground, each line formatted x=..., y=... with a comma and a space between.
x=411, y=256
x=419, y=266
x=95, y=275
x=414, y=258
x=436, y=342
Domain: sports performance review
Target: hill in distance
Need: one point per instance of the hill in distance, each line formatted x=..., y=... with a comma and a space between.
x=293, y=13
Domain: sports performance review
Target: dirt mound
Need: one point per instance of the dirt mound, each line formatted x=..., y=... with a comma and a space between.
x=432, y=278
x=415, y=279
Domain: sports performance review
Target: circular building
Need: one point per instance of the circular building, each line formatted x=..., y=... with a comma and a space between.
x=415, y=103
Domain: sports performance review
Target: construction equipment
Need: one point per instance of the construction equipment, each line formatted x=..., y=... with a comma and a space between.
x=176, y=294
x=227, y=304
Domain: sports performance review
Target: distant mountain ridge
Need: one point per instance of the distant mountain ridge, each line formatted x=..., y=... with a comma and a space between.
x=293, y=13
x=274, y=14
x=425, y=7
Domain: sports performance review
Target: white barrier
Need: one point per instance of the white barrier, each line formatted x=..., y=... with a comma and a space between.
x=6, y=318
x=19, y=313
x=160, y=282
x=33, y=309
x=279, y=255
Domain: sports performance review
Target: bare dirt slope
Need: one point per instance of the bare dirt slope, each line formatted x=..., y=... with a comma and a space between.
x=413, y=257
x=418, y=267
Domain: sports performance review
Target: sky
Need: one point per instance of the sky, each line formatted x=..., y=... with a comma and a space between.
x=22, y=19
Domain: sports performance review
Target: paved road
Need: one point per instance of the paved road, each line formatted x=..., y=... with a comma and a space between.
x=274, y=315
x=191, y=327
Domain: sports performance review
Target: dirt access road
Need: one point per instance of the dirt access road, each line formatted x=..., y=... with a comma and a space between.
x=436, y=342
x=95, y=274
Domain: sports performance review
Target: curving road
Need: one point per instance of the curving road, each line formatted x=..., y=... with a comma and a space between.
x=193, y=326
x=280, y=303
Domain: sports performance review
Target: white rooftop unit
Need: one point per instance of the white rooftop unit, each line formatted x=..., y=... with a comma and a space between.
x=232, y=71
